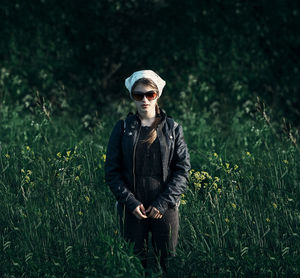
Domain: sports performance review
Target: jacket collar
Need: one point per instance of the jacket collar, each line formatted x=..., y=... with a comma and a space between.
x=163, y=116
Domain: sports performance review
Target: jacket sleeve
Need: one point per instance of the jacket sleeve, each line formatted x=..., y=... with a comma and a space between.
x=178, y=181
x=113, y=167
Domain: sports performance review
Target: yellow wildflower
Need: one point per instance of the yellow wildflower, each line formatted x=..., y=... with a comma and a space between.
x=27, y=179
x=182, y=195
x=227, y=165
x=59, y=154
x=235, y=167
x=197, y=175
x=182, y=202
x=226, y=220
x=215, y=155
x=104, y=157
x=87, y=198
x=68, y=153
x=29, y=172
x=7, y=155
x=233, y=205
x=80, y=213
x=198, y=185
x=215, y=185
x=268, y=219
x=27, y=148
x=285, y=161
x=217, y=179
x=22, y=171
x=206, y=174
x=247, y=153
x=274, y=205
x=76, y=178
x=219, y=190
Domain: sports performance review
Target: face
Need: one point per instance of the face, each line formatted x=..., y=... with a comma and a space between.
x=144, y=105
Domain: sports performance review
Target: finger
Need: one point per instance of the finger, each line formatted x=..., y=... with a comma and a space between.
x=137, y=213
x=154, y=213
x=138, y=216
x=142, y=209
x=151, y=214
x=158, y=213
x=141, y=214
x=156, y=210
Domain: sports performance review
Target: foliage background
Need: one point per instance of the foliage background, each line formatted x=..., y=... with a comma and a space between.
x=77, y=54
x=231, y=69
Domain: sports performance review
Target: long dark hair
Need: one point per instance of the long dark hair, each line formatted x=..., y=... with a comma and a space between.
x=152, y=134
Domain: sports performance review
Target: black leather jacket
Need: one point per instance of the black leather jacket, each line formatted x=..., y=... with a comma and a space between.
x=119, y=165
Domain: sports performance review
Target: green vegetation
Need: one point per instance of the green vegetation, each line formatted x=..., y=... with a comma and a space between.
x=77, y=54
x=232, y=74
x=240, y=215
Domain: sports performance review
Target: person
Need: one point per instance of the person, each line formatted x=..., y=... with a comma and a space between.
x=146, y=168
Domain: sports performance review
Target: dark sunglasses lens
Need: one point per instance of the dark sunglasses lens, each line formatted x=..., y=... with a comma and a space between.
x=151, y=95
x=138, y=97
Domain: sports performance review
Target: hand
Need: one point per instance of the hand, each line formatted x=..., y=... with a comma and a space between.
x=139, y=212
x=153, y=212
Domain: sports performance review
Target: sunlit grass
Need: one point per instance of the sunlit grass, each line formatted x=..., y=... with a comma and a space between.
x=239, y=216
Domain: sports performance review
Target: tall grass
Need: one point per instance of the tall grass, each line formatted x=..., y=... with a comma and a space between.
x=239, y=216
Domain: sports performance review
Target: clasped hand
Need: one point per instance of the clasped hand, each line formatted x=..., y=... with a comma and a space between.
x=151, y=212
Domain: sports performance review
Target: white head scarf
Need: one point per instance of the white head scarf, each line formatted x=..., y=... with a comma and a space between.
x=160, y=83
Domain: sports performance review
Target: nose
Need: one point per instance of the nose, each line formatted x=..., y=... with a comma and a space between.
x=144, y=100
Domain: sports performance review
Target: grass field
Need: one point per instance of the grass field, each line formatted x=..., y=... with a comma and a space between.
x=239, y=217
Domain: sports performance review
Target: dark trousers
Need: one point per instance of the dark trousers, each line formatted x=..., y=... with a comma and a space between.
x=164, y=234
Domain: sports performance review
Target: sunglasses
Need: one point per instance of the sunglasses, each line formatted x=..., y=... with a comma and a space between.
x=139, y=96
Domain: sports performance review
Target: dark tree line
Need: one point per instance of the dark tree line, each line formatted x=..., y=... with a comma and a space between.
x=76, y=54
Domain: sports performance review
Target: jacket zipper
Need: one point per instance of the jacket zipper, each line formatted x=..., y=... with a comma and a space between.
x=133, y=170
